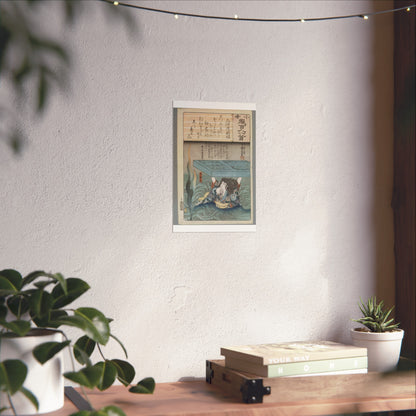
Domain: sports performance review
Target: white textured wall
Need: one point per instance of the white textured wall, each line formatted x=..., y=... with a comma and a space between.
x=92, y=194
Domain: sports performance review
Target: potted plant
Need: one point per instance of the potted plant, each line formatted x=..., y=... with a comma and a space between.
x=34, y=310
x=380, y=335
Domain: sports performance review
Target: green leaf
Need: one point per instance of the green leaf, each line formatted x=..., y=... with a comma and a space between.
x=105, y=411
x=75, y=321
x=43, y=284
x=88, y=376
x=125, y=371
x=45, y=351
x=31, y=277
x=13, y=276
x=62, y=281
x=40, y=304
x=388, y=313
x=18, y=327
x=89, y=320
x=12, y=375
x=7, y=287
x=83, y=349
x=30, y=396
x=82, y=357
x=145, y=386
x=75, y=288
x=55, y=316
x=108, y=374
x=110, y=411
x=54, y=277
x=18, y=305
x=98, y=328
x=3, y=312
x=83, y=413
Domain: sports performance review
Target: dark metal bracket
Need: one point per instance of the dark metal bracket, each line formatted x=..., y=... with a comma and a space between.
x=253, y=391
x=209, y=372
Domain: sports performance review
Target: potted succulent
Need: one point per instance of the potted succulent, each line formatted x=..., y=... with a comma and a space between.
x=380, y=335
x=34, y=310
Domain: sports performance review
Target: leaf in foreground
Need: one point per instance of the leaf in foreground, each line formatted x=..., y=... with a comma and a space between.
x=45, y=351
x=18, y=326
x=83, y=349
x=97, y=324
x=108, y=373
x=30, y=396
x=74, y=289
x=13, y=277
x=91, y=321
x=125, y=371
x=88, y=377
x=12, y=375
x=105, y=411
x=145, y=386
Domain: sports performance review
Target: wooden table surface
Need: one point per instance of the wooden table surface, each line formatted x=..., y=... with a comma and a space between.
x=191, y=398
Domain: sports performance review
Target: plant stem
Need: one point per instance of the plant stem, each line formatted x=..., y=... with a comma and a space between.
x=73, y=369
x=9, y=398
x=101, y=353
x=19, y=310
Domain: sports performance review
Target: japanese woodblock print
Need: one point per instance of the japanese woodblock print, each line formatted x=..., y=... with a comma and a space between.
x=215, y=172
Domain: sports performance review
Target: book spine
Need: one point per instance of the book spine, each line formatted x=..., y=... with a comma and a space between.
x=333, y=373
x=313, y=367
x=309, y=367
x=261, y=358
x=314, y=356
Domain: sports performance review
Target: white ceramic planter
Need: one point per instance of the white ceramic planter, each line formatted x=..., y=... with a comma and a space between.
x=44, y=381
x=383, y=348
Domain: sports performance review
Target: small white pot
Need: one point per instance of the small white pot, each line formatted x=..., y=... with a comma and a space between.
x=44, y=381
x=383, y=348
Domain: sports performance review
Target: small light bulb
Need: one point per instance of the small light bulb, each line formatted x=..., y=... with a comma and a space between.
x=365, y=17
x=176, y=16
x=408, y=9
x=236, y=16
x=115, y=3
x=302, y=20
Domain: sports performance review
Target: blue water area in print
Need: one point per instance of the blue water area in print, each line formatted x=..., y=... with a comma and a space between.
x=225, y=201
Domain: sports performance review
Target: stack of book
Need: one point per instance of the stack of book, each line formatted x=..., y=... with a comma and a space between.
x=296, y=359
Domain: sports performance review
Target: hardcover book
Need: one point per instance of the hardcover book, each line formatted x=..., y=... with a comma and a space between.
x=346, y=365
x=332, y=373
x=292, y=352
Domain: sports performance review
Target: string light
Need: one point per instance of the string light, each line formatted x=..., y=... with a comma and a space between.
x=249, y=19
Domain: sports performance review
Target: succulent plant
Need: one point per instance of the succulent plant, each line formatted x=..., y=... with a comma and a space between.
x=375, y=318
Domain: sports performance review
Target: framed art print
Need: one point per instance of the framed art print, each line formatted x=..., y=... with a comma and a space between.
x=214, y=167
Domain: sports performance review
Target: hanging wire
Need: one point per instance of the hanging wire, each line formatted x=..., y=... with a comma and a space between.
x=249, y=19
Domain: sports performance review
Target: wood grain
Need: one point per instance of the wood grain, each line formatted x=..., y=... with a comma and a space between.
x=293, y=396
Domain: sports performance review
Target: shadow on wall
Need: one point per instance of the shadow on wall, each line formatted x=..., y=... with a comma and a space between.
x=382, y=142
x=403, y=202
x=361, y=231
